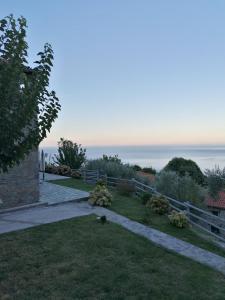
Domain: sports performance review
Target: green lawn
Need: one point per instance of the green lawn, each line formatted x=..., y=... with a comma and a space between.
x=132, y=208
x=83, y=259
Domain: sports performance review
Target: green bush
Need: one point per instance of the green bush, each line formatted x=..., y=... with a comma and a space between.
x=100, y=196
x=178, y=219
x=75, y=174
x=136, y=168
x=186, y=166
x=158, y=204
x=125, y=188
x=63, y=170
x=167, y=183
x=145, y=197
x=181, y=188
x=215, y=181
x=111, y=168
x=215, y=185
x=149, y=170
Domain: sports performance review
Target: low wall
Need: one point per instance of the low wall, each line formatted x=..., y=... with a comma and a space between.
x=20, y=186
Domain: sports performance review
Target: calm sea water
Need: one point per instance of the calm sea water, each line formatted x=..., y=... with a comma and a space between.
x=158, y=156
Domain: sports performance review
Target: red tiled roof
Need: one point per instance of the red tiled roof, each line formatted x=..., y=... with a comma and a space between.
x=220, y=203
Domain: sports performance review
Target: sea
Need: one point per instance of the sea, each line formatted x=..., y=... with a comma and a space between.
x=207, y=157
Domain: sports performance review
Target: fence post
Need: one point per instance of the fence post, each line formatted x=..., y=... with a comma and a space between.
x=106, y=180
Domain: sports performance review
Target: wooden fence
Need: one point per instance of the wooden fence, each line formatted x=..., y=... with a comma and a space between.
x=204, y=220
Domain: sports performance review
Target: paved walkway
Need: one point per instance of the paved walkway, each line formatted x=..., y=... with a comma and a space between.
x=53, y=194
x=42, y=215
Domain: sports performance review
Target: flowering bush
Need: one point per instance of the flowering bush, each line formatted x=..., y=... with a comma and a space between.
x=158, y=204
x=100, y=196
x=178, y=219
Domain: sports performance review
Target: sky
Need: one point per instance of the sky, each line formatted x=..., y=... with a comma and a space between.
x=132, y=72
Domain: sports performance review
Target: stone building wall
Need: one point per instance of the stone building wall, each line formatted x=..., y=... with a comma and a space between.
x=20, y=186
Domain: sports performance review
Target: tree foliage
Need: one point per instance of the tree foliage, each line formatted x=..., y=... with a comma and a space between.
x=70, y=154
x=186, y=167
x=27, y=108
x=215, y=180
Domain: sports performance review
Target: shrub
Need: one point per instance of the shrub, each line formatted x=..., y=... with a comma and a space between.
x=215, y=181
x=100, y=196
x=63, y=170
x=145, y=197
x=136, y=168
x=70, y=154
x=101, y=182
x=158, y=204
x=178, y=219
x=114, y=158
x=215, y=185
x=111, y=168
x=167, y=183
x=125, y=188
x=189, y=190
x=149, y=170
x=186, y=166
x=181, y=188
x=50, y=168
x=75, y=174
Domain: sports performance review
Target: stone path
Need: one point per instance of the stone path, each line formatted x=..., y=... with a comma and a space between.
x=53, y=194
x=42, y=215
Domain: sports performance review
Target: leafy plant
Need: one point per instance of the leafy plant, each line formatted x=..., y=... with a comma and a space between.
x=182, y=188
x=111, y=168
x=136, y=168
x=149, y=170
x=28, y=109
x=186, y=166
x=167, y=183
x=178, y=219
x=145, y=197
x=215, y=180
x=125, y=188
x=70, y=154
x=114, y=158
x=158, y=204
x=100, y=196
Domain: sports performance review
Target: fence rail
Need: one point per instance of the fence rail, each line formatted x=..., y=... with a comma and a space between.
x=202, y=219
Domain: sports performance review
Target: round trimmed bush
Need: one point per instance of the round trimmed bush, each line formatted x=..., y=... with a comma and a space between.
x=178, y=219
x=100, y=196
x=158, y=204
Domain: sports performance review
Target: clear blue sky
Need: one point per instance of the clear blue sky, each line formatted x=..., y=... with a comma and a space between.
x=133, y=71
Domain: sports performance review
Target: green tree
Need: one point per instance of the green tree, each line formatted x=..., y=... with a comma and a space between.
x=27, y=108
x=70, y=154
x=215, y=180
x=186, y=167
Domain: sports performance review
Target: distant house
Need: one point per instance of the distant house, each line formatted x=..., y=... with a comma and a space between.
x=20, y=185
x=217, y=207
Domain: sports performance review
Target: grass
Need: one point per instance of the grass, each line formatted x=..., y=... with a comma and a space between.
x=83, y=259
x=132, y=208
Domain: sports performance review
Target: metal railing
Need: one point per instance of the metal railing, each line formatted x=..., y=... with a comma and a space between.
x=202, y=219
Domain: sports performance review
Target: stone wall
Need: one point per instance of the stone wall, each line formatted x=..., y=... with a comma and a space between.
x=20, y=186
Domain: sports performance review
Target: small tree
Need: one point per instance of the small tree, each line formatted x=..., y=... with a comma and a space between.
x=215, y=181
x=183, y=167
x=27, y=108
x=70, y=154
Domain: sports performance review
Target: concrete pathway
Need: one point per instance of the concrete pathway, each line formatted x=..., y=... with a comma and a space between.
x=42, y=215
x=53, y=194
